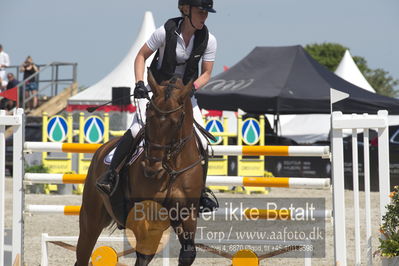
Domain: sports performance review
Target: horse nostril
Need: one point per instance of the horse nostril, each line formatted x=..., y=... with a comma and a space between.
x=150, y=172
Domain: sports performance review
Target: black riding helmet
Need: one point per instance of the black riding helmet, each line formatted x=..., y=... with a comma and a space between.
x=202, y=4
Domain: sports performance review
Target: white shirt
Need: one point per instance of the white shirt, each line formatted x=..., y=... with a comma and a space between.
x=4, y=59
x=157, y=41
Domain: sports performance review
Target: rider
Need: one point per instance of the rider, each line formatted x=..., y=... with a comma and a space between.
x=180, y=44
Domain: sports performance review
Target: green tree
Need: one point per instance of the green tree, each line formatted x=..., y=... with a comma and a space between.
x=327, y=54
x=330, y=54
x=382, y=82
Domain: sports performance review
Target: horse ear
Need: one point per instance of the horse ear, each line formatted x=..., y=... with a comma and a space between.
x=188, y=88
x=152, y=82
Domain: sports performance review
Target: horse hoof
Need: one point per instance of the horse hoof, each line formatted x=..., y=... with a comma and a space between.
x=187, y=255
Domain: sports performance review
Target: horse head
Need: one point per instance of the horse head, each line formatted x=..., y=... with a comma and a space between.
x=167, y=113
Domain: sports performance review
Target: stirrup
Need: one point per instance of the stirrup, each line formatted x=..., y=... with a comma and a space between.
x=109, y=187
x=207, y=203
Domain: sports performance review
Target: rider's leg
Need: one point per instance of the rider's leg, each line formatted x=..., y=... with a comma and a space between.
x=206, y=203
x=107, y=181
x=198, y=118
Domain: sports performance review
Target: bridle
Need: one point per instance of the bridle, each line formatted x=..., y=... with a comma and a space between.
x=168, y=147
x=172, y=149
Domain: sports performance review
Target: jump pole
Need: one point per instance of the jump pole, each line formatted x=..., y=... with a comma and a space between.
x=247, y=181
x=297, y=151
x=249, y=213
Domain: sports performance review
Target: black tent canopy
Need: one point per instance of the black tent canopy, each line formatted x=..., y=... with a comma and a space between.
x=286, y=80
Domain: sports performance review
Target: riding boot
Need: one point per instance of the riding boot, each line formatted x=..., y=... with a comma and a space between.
x=107, y=182
x=207, y=204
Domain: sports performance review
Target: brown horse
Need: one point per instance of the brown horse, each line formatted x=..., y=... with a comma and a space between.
x=169, y=171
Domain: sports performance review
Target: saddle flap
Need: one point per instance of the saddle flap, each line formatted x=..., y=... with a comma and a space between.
x=133, y=157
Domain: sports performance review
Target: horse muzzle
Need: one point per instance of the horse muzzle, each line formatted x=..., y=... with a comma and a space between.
x=152, y=171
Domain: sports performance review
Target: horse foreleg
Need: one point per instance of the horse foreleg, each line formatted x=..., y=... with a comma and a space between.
x=93, y=218
x=142, y=259
x=186, y=234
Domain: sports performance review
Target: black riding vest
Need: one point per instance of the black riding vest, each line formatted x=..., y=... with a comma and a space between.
x=169, y=63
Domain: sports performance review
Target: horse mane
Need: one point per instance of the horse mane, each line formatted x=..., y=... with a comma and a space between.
x=171, y=85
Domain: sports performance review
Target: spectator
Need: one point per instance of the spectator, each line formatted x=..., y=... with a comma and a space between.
x=4, y=62
x=2, y=88
x=29, y=68
x=3, y=85
x=12, y=83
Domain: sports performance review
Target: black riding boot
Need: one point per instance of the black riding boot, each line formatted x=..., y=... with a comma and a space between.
x=207, y=204
x=106, y=182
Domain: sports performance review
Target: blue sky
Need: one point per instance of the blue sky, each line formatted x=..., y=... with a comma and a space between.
x=97, y=34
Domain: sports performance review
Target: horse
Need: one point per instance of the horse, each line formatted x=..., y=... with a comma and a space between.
x=169, y=171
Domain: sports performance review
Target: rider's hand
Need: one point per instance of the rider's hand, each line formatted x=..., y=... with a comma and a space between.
x=194, y=89
x=140, y=91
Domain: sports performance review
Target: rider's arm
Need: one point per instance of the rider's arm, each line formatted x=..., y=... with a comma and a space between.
x=156, y=40
x=206, y=71
x=139, y=62
x=208, y=60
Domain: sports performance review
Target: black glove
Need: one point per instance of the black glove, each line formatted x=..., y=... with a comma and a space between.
x=140, y=91
x=193, y=90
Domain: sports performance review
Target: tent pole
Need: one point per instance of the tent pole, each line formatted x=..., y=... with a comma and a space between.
x=276, y=122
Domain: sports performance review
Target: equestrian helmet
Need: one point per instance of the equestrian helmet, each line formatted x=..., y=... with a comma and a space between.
x=202, y=4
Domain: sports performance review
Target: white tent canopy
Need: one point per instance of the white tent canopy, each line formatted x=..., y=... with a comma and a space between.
x=348, y=70
x=122, y=75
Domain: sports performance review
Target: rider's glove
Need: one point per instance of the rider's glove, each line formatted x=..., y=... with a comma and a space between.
x=194, y=89
x=140, y=91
